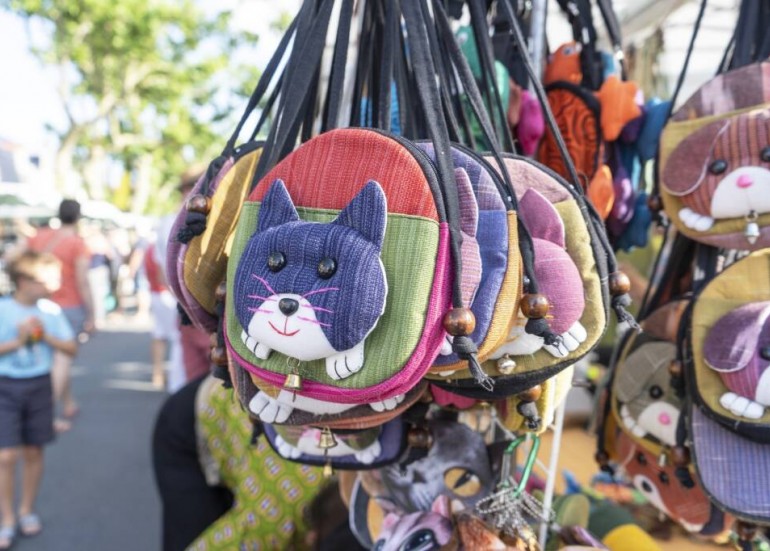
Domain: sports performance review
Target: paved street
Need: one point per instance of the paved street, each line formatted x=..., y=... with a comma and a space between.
x=98, y=491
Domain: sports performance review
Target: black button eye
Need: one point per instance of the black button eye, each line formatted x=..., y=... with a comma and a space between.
x=641, y=458
x=656, y=392
x=718, y=167
x=326, y=268
x=765, y=154
x=663, y=477
x=765, y=352
x=276, y=261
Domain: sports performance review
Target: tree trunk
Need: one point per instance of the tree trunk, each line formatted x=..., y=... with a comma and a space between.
x=95, y=172
x=142, y=184
x=66, y=180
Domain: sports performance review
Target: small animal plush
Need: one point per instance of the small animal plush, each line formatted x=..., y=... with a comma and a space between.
x=722, y=171
x=648, y=404
x=292, y=442
x=419, y=531
x=311, y=290
x=558, y=278
x=738, y=348
x=564, y=65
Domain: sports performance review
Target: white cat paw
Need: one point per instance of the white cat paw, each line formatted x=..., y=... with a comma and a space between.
x=368, y=455
x=446, y=346
x=344, y=364
x=285, y=449
x=695, y=221
x=260, y=350
x=269, y=410
x=387, y=404
x=741, y=406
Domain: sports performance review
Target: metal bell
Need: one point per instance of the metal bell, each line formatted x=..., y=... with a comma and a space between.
x=326, y=439
x=327, y=472
x=752, y=231
x=506, y=365
x=293, y=382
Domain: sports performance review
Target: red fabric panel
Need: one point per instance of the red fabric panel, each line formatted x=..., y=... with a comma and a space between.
x=329, y=170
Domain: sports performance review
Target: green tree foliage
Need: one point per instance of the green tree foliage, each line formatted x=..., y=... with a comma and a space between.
x=143, y=83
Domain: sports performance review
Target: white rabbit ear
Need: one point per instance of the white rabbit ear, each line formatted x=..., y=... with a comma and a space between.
x=541, y=218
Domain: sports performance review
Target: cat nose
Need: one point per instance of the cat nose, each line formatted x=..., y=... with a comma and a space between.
x=744, y=181
x=288, y=306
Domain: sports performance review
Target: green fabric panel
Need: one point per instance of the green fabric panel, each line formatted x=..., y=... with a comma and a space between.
x=741, y=283
x=593, y=319
x=409, y=256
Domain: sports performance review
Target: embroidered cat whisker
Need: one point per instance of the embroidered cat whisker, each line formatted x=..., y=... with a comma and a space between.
x=318, y=308
x=322, y=290
x=264, y=282
x=314, y=321
x=260, y=310
x=260, y=297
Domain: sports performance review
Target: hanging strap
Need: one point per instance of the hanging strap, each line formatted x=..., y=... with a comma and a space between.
x=337, y=75
x=614, y=33
x=295, y=93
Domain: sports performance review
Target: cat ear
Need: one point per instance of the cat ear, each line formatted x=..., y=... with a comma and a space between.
x=367, y=213
x=277, y=207
x=441, y=506
x=469, y=208
x=541, y=218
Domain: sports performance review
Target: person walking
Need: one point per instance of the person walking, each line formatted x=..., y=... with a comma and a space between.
x=32, y=328
x=74, y=297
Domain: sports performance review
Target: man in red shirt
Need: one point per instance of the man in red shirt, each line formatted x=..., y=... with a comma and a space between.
x=74, y=295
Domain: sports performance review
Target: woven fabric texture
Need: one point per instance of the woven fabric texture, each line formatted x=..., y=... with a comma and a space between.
x=205, y=262
x=733, y=470
x=328, y=171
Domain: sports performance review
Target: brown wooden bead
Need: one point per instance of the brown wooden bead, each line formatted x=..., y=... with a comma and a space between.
x=745, y=531
x=221, y=292
x=459, y=322
x=675, y=368
x=535, y=306
x=531, y=394
x=213, y=340
x=219, y=356
x=654, y=203
x=680, y=456
x=419, y=437
x=619, y=284
x=602, y=458
x=199, y=203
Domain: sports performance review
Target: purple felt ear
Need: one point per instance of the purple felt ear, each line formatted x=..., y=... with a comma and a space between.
x=277, y=207
x=367, y=213
x=733, y=342
x=469, y=209
x=541, y=218
x=687, y=165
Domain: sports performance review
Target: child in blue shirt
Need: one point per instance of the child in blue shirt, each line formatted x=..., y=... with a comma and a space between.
x=31, y=328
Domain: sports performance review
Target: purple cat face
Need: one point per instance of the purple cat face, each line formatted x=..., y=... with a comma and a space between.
x=311, y=290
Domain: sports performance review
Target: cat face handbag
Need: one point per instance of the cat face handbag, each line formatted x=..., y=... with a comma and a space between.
x=714, y=165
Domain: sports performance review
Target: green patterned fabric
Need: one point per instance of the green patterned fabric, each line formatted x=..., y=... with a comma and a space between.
x=408, y=241
x=271, y=494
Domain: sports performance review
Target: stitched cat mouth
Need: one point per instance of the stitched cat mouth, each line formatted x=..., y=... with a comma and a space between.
x=285, y=331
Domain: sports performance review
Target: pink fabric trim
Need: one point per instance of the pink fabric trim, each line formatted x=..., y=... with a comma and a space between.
x=412, y=372
x=445, y=398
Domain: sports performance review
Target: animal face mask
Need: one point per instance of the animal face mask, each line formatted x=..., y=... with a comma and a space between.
x=457, y=466
x=722, y=171
x=311, y=290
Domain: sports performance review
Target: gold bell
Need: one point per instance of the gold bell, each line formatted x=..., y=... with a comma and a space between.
x=293, y=382
x=506, y=365
x=328, y=470
x=327, y=439
x=751, y=233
